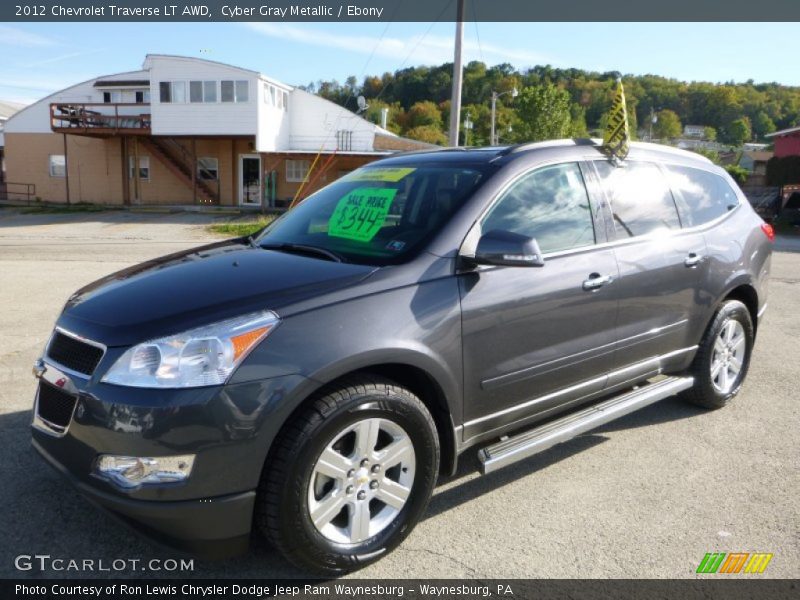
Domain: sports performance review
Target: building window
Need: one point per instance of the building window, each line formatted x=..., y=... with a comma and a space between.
x=172, y=91
x=144, y=168
x=234, y=91
x=208, y=168
x=270, y=95
x=297, y=170
x=112, y=97
x=142, y=96
x=203, y=91
x=58, y=165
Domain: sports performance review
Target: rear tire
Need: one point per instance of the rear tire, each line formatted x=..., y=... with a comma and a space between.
x=723, y=358
x=348, y=479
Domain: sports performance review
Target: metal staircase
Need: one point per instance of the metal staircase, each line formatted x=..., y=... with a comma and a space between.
x=180, y=163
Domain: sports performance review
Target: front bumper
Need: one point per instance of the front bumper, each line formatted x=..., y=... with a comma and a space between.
x=228, y=428
x=210, y=528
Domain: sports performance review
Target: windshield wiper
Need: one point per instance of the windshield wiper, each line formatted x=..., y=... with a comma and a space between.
x=304, y=249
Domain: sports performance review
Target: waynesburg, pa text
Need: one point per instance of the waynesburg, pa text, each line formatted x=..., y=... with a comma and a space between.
x=265, y=591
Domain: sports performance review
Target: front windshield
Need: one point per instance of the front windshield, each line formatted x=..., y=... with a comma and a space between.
x=376, y=215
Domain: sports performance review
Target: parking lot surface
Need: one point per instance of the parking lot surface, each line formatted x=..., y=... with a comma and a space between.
x=643, y=497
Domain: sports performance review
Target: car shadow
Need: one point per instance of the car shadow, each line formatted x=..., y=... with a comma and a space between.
x=43, y=514
x=667, y=410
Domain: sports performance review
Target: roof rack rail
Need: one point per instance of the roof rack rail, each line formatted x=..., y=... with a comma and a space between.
x=549, y=143
x=439, y=149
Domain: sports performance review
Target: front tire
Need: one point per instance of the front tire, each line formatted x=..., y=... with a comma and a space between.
x=723, y=358
x=349, y=477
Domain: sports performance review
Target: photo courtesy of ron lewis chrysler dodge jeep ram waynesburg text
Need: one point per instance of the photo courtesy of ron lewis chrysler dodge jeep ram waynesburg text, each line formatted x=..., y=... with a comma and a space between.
x=313, y=381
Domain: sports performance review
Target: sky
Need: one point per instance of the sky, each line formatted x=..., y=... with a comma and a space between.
x=41, y=58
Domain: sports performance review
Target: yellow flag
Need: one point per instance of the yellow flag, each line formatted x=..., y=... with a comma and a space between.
x=616, y=141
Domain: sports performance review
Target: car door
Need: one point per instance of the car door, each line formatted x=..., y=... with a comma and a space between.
x=538, y=338
x=661, y=268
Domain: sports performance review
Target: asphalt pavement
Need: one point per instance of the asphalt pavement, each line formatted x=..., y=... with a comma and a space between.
x=643, y=497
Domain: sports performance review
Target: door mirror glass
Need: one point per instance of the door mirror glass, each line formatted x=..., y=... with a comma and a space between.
x=509, y=249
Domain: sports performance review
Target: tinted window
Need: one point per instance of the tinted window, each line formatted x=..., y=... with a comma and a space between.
x=641, y=201
x=377, y=215
x=550, y=205
x=703, y=196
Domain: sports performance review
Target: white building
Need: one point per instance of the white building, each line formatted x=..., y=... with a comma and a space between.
x=185, y=130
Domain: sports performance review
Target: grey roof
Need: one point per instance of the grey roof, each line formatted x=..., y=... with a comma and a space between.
x=9, y=108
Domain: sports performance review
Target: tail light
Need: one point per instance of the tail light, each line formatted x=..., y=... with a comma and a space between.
x=769, y=231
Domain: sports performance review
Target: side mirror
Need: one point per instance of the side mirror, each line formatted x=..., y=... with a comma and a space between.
x=508, y=249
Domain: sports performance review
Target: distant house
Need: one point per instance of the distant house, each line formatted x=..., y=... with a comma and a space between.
x=756, y=163
x=6, y=110
x=694, y=131
x=188, y=131
x=787, y=142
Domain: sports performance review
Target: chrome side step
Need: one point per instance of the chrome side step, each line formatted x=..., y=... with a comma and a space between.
x=536, y=440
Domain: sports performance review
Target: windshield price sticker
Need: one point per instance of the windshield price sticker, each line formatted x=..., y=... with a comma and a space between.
x=388, y=174
x=361, y=213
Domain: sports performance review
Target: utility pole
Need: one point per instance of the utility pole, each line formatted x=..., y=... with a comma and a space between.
x=455, y=103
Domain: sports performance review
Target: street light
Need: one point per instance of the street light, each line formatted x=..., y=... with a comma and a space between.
x=514, y=93
x=467, y=128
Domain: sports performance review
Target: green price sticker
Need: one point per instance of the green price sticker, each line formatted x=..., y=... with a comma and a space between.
x=361, y=213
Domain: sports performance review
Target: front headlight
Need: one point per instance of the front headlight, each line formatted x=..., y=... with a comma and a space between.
x=203, y=356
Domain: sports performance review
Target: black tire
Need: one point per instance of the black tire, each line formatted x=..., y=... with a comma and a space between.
x=282, y=508
x=704, y=392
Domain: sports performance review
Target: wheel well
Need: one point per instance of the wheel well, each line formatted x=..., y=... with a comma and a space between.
x=747, y=296
x=425, y=387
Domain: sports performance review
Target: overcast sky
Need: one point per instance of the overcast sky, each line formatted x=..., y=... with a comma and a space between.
x=40, y=58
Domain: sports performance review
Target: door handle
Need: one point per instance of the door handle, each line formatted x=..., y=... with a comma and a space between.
x=596, y=281
x=692, y=260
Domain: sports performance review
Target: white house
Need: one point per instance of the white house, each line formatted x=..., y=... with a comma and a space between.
x=185, y=130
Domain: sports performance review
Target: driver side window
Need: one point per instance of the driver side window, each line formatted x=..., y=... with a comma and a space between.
x=549, y=204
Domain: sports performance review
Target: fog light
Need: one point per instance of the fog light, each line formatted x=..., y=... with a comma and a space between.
x=131, y=471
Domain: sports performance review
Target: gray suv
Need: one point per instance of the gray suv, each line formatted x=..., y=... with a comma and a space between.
x=311, y=382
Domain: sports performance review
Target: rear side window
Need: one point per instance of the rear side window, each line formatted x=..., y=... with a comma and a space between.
x=550, y=205
x=702, y=196
x=641, y=201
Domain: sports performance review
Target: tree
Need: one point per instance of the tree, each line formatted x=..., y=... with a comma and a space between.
x=738, y=132
x=739, y=174
x=710, y=134
x=544, y=112
x=668, y=126
x=427, y=133
x=424, y=114
x=762, y=125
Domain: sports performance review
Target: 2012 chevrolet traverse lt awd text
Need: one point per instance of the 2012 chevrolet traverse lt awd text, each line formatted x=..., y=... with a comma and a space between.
x=312, y=381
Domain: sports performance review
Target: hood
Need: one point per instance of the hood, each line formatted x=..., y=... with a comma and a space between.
x=180, y=291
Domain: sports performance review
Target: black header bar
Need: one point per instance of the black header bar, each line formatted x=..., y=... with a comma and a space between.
x=399, y=10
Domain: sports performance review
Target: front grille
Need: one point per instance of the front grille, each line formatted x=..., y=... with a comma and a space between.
x=55, y=405
x=74, y=354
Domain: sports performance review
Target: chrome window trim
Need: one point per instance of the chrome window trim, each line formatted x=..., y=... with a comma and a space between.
x=598, y=207
x=80, y=338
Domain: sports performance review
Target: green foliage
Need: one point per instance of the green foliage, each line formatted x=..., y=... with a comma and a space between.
x=241, y=228
x=725, y=108
x=424, y=114
x=710, y=134
x=668, y=126
x=427, y=133
x=544, y=113
x=711, y=155
x=738, y=132
x=739, y=174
